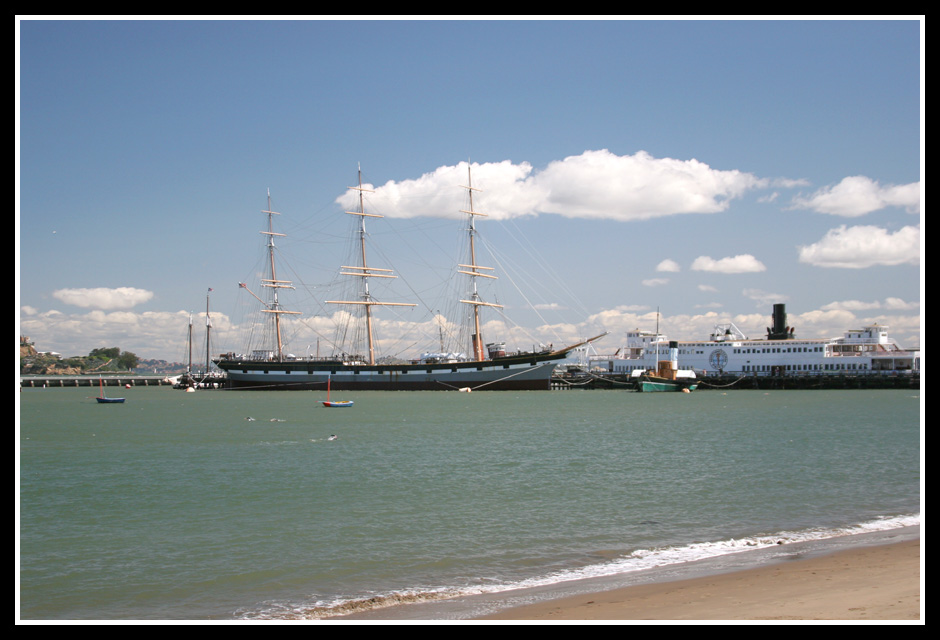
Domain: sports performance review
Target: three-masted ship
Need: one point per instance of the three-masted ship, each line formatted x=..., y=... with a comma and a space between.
x=488, y=367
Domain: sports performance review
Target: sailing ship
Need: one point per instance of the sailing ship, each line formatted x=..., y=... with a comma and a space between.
x=489, y=367
x=334, y=403
x=206, y=379
x=103, y=399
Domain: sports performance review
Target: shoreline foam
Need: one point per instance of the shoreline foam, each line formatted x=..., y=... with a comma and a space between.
x=880, y=582
x=867, y=576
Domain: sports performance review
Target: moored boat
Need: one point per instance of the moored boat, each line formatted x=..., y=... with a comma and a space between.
x=102, y=398
x=489, y=366
x=334, y=403
x=667, y=376
x=728, y=351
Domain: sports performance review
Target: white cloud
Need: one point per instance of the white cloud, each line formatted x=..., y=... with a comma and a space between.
x=891, y=304
x=149, y=334
x=668, y=265
x=508, y=193
x=858, y=195
x=851, y=305
x=655, y=282
x=599, y=184
x=745, y=263
x=896, y=304
x=763, y=298
x=864, y=246
x=595, y=184
x=789, y=183
x=810, y=324
x=104, y=298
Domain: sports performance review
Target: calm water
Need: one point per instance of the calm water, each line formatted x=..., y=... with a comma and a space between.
x=178, y=506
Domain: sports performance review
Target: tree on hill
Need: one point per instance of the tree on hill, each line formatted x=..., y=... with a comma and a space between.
x=97, y=361
x=125, y=360
x=128, y=361
x=104, y=353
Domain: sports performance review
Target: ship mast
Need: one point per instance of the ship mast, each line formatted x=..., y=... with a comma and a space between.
x=189, y=367
x=208, y=331
x=473, y=270
x=273, y=283
x=364, y=272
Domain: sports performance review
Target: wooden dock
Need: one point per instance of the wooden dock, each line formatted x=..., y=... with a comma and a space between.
x=93, y=381
x=571, y=382
x=887, y=380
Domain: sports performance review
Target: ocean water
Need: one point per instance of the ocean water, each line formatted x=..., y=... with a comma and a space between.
x=220, y=505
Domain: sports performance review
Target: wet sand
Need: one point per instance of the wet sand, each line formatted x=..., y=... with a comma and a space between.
x=866, y=583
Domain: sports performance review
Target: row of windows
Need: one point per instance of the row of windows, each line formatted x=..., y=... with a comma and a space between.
x=759, y=350
x=750, y=368
x=780, y=350
x=851, y=366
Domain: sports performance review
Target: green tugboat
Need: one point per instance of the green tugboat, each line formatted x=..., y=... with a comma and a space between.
x=667, y=376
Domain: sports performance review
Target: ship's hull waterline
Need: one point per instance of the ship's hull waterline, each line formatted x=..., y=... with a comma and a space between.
x=489, y=376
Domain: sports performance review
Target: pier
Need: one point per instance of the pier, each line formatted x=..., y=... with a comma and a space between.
x=728, y=381
x=94, y=381
x=568, y=382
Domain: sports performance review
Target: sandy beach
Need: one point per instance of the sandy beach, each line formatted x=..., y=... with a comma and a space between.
x=866, y=583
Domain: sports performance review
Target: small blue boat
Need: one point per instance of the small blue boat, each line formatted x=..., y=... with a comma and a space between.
x=334, y=403
x=102, y=399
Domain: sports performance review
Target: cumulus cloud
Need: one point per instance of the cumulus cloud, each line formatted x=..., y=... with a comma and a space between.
x=764, y=298
x=890, y=304
x=655, y=282
x=817, y=323
x=668, y=265
x=104, y=298
x=509, y=192
x=858, y=195
x=864, y=246
x=594, y=184
x=148, y=334
x=745, y=263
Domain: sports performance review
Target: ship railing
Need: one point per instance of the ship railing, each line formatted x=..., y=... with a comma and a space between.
x=809, y=374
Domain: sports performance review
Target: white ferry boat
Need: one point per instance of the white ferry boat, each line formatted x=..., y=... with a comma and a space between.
x=729, y=351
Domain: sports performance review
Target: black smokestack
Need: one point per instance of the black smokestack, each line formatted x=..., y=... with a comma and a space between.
x=779, y=331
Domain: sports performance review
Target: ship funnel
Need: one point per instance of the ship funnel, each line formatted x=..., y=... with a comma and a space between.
x=779, y=331
x=674, y=353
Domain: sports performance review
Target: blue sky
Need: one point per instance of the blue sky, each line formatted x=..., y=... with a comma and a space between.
x=706, y=168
